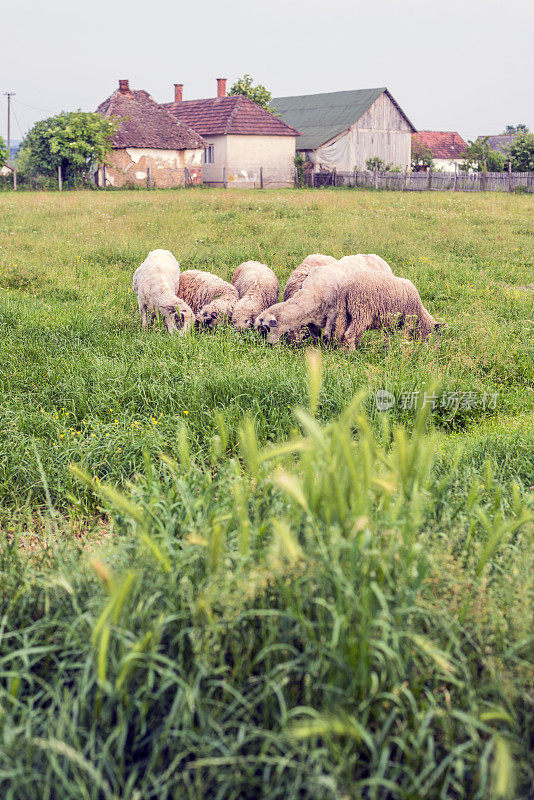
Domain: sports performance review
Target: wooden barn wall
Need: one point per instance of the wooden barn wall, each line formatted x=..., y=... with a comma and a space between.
x=383, y=132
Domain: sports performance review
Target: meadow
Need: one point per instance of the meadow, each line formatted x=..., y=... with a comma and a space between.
x=224, y=571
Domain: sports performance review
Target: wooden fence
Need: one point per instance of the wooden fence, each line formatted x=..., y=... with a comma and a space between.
x=426, y=181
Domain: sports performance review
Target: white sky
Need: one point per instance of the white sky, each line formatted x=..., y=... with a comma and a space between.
x=465, y=65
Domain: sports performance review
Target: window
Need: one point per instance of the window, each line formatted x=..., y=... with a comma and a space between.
x=209, y=154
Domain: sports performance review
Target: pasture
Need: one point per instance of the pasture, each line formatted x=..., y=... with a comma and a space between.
x=251, y=583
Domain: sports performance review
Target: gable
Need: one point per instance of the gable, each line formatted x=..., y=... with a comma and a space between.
x=385, y=115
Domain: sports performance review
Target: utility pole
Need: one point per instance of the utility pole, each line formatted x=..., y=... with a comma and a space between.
x=9, y=95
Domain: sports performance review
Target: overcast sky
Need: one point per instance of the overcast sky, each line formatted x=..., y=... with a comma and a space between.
x=464, y=65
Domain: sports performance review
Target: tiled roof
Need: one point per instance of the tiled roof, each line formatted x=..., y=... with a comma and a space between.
x=146, y=123
x=233, y=114
x=443, y=144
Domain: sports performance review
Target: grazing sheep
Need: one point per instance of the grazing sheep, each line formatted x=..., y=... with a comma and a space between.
x=257, y=288
x=300, y=273
x=155, y=282
x=209, y=296
x=368, y=261
x=310, y=306
x=369, y=301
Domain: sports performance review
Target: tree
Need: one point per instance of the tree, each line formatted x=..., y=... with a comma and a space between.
x=520, y=128
x=76, y=141
x=522, y=153
x=258, y=94
x=422, y=157
x=480, y=154
x=3, y=151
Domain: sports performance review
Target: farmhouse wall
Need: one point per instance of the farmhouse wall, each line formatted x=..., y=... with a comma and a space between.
x=130, y=165
x=243, y=157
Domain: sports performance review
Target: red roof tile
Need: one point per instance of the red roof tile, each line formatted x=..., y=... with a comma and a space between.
x=147, y=124
x=444, y=144
x=233, y=114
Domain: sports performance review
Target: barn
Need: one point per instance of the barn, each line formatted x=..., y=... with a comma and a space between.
x=150, y=147
x=341, y=130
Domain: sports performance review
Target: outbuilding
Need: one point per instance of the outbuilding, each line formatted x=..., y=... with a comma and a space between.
x=150, y=147
x=342, y=130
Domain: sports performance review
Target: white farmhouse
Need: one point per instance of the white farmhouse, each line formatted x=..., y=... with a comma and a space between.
x=244, y=142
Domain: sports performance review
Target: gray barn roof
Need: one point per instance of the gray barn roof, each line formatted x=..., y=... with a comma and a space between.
x=320, y=117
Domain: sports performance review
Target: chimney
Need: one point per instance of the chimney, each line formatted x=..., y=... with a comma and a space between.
x=178, y=92
x=221, y=87
x=124, y=87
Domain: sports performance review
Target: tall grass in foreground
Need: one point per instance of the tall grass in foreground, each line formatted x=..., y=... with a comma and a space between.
x=277, y=626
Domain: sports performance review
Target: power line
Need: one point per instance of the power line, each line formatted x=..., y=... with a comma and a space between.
x=35, y=108
x=18, y=124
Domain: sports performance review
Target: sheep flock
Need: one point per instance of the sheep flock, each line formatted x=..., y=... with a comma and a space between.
x=338, y=299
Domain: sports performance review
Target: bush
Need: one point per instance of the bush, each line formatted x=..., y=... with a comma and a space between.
x=275, y=626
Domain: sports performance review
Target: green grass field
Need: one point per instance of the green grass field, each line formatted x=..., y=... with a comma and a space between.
x=251, y=584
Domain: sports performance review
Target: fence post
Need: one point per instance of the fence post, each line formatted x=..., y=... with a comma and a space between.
x=509, y=176
x=354, y=177
x=186, y=177
x=14, y=180
x=376, y=177
x=261, y=177
x=224, y=178
x=429, y=187
x=148, y=177
x=455, y=184
x=484, y=176
x=103, y=176
x=404, y=179
x=59, y=178
x=334, y=177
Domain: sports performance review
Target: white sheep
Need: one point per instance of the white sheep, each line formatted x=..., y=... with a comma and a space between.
x=369, y=301
x=209, y=296
x=368, y=261
x=310, y=306
x=155, y=282
x=257, y=288
x=300, y=273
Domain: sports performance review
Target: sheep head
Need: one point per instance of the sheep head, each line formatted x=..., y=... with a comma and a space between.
x=244, y=314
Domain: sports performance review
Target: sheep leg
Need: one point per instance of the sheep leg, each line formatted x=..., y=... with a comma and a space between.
x=144, y=321
x=352, y=337
x=329, y=326
x=152, y=319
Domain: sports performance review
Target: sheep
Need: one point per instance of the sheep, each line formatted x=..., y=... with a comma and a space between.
x=368, y=261
x=300, y=273
x=209, y=296
x=155, y=283
x=257, y=288
x=369, y=301
x=311, y=305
